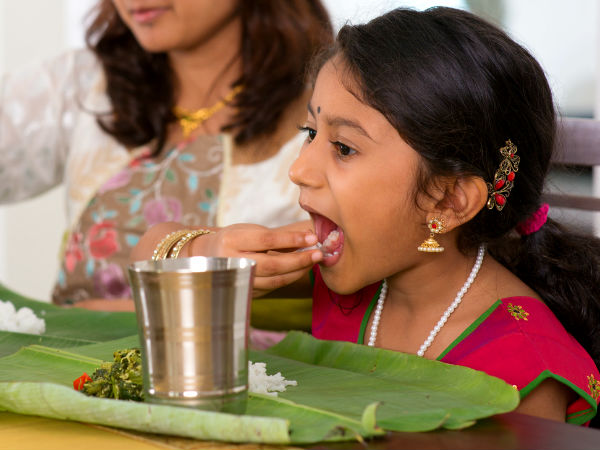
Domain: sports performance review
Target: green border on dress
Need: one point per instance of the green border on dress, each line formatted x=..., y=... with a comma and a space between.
x=470, y=329
x=365, y=320
x=577, y=418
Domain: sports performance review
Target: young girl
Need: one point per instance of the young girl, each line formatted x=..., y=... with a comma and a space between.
x=437, y=124
x=429, y=135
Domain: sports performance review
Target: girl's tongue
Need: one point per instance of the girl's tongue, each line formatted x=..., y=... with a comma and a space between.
x=331, y=239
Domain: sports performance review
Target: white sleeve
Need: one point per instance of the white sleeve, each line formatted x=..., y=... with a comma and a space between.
x=261, y=192
x=38, y=109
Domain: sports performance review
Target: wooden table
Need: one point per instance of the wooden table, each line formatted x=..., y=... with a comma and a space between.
x=508, y=431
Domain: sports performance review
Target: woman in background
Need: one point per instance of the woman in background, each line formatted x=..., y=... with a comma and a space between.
x=183, y=111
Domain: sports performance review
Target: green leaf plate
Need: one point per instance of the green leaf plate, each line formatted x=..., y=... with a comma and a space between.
x=345, y=391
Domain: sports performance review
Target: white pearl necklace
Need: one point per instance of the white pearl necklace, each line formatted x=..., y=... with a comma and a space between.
x=445, y=316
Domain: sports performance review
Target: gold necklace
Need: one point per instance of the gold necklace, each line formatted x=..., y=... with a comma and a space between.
x=190, y=120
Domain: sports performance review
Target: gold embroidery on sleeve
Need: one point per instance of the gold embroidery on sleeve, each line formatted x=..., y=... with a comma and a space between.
x=517, y=311
x=594, y=386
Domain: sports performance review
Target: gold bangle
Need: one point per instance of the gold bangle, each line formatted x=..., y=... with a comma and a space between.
x=185, y=239
x=166, y=244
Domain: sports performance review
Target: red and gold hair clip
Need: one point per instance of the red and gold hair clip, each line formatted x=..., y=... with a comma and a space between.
x=504, y=177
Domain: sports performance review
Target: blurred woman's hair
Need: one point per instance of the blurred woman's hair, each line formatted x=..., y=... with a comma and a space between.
x=278, y=40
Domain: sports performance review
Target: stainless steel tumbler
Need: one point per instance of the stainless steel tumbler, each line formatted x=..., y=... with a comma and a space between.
x=193, y=322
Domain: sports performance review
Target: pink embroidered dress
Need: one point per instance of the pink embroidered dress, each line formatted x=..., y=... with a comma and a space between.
x=518, y=339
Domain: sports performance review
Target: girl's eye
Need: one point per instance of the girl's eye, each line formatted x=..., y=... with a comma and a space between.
x=344, y=150
x=311, y=134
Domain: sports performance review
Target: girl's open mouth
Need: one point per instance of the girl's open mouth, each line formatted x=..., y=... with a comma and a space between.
x=331, y=239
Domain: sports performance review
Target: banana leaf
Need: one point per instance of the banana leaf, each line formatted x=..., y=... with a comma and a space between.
x=65, y=327
x=344, y=391
x=67, y=404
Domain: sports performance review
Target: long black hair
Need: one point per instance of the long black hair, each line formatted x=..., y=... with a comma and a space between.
x=278, y=40
x=457, y=88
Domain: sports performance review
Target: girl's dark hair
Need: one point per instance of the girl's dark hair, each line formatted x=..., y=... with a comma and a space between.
x=278, y=39
x=457, y=88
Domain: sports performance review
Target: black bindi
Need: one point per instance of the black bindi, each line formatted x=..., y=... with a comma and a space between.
x=318, y=110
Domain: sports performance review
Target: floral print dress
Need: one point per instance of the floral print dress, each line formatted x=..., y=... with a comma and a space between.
x=181, y=185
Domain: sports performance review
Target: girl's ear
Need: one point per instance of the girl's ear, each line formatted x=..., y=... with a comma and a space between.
x=463, y=198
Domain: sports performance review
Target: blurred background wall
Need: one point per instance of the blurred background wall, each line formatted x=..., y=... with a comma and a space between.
x=562, y=35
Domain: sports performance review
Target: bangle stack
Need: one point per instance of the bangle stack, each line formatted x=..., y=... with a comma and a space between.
x=172, y=243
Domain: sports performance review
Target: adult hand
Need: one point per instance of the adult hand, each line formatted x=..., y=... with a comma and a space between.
x=275, y=250
x=278, y=252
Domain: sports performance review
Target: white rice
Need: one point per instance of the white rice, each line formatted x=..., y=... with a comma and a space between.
x=331, y=238
x=261, y=383
x=22, y=321
x=330, y=241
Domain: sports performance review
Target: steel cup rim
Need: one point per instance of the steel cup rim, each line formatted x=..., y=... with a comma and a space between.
x=194, y=264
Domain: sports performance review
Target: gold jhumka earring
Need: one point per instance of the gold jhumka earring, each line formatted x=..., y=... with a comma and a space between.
x=436, y=226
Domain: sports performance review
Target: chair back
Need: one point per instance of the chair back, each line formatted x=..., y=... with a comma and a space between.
x=577, y=144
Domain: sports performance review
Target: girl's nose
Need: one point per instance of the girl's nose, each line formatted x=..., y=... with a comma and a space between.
x=305, y=170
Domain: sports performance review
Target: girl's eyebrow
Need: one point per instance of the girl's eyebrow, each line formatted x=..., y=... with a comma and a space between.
x=342, y=122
